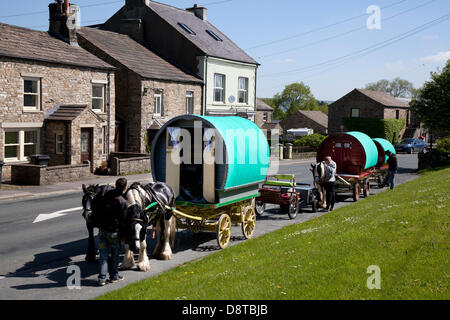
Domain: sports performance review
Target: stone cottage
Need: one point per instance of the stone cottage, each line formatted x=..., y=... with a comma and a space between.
x=316, y=120
x=264, y=113
x=55, y=97
x=361, y=103
x=149, y=90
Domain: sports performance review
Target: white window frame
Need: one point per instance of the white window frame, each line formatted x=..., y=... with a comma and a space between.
x=102, y=98
x=244, y=90
x=351, y=113
x=189, y=102
x=36, y=94
x=265, y=116
x=222, y=89
x=21, y=143
x=158, y=107
x=59, y=143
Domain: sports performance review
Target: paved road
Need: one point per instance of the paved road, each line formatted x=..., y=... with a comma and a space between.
x=35, y=256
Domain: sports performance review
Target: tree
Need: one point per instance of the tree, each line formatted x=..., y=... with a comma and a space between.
x=398, y=88
x=432, y=104
x=296, y=96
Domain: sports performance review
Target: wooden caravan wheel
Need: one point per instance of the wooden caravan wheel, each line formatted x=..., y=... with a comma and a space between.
x=248, y=222
x=366, y=188
x=223, y=231
x=356, y=192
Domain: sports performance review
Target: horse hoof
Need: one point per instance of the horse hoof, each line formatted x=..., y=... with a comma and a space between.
x=144, y=267
x=166, y=256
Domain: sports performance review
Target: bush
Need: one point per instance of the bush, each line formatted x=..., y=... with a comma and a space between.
x=376, y=128
x=313, y=140
x=443, y=145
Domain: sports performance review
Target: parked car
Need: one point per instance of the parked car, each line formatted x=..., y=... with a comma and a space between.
x=410, y=145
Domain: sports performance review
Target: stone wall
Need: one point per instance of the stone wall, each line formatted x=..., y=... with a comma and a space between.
x=130, y=165
x=29, y=174
x=259, y=117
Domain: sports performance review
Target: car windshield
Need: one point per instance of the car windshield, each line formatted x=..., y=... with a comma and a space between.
x=407, y=141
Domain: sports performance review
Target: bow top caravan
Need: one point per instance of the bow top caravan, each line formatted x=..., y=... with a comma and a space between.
x=382, y=146
x=353, y=152
x=210, y=159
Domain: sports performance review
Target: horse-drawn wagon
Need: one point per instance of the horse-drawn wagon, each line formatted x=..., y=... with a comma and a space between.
x=356, y=157
x=380, y=172
x=214, y=166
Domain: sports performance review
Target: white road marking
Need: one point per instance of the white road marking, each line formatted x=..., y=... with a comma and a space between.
x=2, y=277
x=56, y=214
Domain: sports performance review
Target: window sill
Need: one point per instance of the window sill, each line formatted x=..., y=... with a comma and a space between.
x=32, y=110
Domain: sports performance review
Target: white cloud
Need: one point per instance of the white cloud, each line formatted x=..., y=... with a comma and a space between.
x=440, y=57
x=288, y=60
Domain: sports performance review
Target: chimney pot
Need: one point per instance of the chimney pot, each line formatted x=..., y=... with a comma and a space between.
x=200, y=12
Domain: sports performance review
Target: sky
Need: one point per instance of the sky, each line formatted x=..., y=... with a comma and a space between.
x=331, y=46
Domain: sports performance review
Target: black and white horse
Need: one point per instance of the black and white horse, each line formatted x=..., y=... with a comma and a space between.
x=158, y=195
x=318, y=171
x=135, y=227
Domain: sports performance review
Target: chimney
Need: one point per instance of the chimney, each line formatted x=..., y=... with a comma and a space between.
x=64, y=21
x=134, y=28
x=136, y=3
x=200, y=12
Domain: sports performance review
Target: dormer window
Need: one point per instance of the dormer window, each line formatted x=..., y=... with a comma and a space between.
x=186, y=28
x=215, y=36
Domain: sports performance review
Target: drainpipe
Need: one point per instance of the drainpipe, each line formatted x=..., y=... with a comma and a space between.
x=205, y=84
x=255, y=106
x=108, y=110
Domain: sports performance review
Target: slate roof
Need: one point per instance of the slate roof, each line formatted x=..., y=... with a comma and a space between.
x=22, y=43
x=316, y=116
x=262, y=106
x=67, y=112
x=134, y=56
x=384, y=98
x=226, y=49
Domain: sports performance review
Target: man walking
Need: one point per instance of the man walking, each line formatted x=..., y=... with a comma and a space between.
x=392, y=170
x=329, y=180
x=109, y=238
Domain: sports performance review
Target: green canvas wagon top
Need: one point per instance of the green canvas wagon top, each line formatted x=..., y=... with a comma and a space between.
x=241, y=153
x=352, y=151
x=383, y=145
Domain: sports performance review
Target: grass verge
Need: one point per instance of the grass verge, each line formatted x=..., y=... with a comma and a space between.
x=404, y=232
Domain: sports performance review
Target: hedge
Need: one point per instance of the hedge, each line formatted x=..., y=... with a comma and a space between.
x=376, y=128
x=313, y=140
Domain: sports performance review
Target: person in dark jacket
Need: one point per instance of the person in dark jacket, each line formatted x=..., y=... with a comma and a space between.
x=109, y=237
x=392, y=170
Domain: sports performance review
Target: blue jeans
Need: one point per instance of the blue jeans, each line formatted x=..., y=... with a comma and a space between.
x=390, y=179
x=109, y=246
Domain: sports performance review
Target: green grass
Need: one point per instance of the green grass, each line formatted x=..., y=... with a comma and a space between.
x=405, y=232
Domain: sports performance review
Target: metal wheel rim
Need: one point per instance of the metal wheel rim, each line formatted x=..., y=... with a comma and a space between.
x=249, y=222
x=292, y=209
x=223, y=231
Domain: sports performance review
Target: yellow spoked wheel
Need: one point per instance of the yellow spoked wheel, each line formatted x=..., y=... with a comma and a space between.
x=248, y=222
x=223, y=231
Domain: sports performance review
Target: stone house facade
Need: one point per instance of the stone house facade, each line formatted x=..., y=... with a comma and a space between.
x=370, y=104
x=36, y=83
x=264, y=113
x=188, y=40
x=316, y=120
x=148, y=89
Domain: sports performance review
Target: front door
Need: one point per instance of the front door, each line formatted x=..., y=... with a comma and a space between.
x=86, y=145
